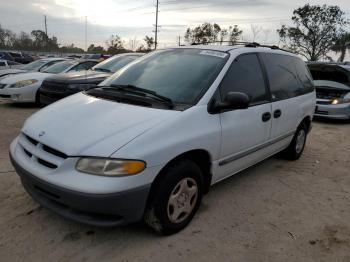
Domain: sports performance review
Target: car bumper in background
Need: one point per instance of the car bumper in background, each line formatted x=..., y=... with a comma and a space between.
x=93, y=209
x=341, y=111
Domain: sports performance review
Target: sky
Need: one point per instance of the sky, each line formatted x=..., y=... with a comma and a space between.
x=132, y=20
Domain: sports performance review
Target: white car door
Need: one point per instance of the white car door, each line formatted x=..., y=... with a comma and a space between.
x=244, y=132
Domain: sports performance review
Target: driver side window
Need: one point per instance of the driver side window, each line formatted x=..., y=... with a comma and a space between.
x=245, y=75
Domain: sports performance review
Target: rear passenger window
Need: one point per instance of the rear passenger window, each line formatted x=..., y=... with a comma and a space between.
x=288, y=76
x=245, y=75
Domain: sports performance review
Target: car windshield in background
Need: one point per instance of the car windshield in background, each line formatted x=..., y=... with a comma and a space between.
x=59, y=67
x=182, y=75
x=114, y=64
x=34, y=65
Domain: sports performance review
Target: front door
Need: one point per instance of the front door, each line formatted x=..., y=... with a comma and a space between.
x=244, y=131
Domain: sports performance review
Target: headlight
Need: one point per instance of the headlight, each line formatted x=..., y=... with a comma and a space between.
x=109, y=167
x=340, y=101
x=81, y=87
x=23, y=83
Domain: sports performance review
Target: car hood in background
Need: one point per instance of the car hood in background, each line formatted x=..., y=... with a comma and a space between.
x=82, y=125
x=4, y=72
x=330, y=84
x=80, y=77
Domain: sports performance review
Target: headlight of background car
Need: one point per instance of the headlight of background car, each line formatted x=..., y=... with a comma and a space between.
x=340, y=101
x=109, y=167
x=23, y=83
x=81, y=87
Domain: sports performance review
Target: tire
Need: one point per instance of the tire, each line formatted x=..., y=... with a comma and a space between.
x=296, y=147
x=37, y=99
x=184, y=182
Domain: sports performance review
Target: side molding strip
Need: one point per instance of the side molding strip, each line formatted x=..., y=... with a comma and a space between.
x=253, y=150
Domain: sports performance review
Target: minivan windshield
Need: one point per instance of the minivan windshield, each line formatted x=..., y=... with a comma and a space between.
x=182, y=75
x=36, y=65
x=59, y=67
x=115, y=63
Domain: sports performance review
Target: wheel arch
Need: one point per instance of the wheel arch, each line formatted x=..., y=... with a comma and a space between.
x=199, y=156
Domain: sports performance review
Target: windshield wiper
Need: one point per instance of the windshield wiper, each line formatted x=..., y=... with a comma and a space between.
x=102, y=70
x=140, y=91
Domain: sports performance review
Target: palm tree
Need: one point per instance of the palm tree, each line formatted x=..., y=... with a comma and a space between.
x=342, y=45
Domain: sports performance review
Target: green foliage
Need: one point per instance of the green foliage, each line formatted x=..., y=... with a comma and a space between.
x=342, y=44
x=208, y=32
x=315, y=30
x=92, y=49
x=149, y=43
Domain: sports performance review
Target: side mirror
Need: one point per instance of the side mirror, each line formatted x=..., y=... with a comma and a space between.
x=232, y=101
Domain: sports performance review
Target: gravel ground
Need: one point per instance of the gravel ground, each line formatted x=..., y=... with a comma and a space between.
x=275, y=211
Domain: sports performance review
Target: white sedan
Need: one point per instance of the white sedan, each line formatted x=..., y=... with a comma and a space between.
x=24, y=87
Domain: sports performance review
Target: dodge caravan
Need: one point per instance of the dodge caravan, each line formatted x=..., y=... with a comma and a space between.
x=149, y=141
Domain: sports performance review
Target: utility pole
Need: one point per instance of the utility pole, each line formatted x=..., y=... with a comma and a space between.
x=179, y=40
x=86, y=33
x=156, y=27
x=45, y=24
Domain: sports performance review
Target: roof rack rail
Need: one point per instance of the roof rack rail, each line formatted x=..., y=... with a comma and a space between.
x=245, y=44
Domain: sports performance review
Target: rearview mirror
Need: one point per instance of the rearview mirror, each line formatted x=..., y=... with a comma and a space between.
x=232, y=101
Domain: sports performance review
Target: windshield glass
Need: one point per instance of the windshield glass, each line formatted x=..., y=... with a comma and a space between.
x=182, y=75
x=59, y=67
x=34, y=65
x=115, y=63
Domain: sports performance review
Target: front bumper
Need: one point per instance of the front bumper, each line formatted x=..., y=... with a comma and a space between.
x=23, y=94
x=47, y=97
x=93, y=209
x=341, y=111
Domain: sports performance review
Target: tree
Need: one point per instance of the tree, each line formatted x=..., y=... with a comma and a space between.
x=115, y=45
x=315, y=31
x=341, y=45
x=235, y=34
x=95, y=49
x=149, y=42
x=256, y=30
x=208, y=32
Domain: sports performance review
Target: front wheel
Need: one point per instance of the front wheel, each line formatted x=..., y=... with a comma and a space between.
x=296, y=147
x=176, y=198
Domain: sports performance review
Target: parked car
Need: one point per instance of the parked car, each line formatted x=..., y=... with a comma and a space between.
x=150, y=141
x=100, y=57
x=332, y=82
x=6, y=56
x=60, y=86
x=36, y=66
x=7, y=64
x=24, y=87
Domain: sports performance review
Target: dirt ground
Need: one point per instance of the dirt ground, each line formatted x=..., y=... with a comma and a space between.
x=275, y=211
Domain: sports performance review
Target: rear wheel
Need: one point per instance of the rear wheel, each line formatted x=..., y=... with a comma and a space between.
x=296, y=147
x=176, y=198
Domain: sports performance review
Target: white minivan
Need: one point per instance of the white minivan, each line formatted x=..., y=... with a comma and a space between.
x=151, y=139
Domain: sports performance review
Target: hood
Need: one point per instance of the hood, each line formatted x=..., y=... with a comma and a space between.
x=24, y=76
x=11, y=71
x=330, y=84
x=81, y=77
x=84, y=125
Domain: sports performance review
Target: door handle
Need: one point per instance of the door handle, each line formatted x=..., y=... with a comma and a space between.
x=266, y=116
x=277, y=113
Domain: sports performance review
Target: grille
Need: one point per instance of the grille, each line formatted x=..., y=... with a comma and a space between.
x=54, y=86
x=42, y=154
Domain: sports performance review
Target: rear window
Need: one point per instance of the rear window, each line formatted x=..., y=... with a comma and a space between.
x=288, y=76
